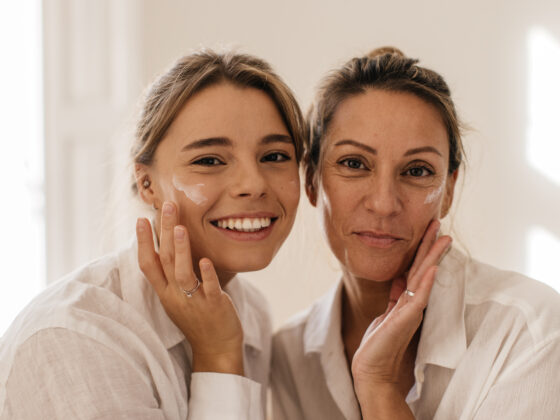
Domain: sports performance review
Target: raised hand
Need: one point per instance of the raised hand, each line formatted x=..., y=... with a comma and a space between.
x=377, y=364
x=208, y=317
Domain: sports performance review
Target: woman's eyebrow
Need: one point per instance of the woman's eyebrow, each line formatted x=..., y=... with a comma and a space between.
x=426, y=149
x=357, y=144
x=275, y=138
x=211, y=141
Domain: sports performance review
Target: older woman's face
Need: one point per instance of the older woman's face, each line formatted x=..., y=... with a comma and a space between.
x=383, y=177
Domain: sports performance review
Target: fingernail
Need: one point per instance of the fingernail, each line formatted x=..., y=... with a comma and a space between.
x=204, y=265
x=140, y=225
x=179, y=233
x=167, y=208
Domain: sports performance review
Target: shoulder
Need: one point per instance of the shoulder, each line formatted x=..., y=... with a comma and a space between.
x=87, y=301
x=513, y=296
x=82, y=290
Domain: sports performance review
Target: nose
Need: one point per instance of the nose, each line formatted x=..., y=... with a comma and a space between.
x=248, y=181
x=383, y=198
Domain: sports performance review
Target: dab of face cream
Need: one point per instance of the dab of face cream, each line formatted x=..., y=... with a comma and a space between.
x=192, y=192
x=434, y=195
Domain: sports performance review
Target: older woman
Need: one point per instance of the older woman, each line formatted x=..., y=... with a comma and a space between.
x=388, y=342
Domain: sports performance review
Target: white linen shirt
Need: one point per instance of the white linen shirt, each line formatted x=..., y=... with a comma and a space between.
x=489, y=349
x=98, y=344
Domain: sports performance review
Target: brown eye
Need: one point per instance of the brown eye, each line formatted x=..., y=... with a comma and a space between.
x=276, y=157
x=419, y=171
x=352, y=163
x=208, y=161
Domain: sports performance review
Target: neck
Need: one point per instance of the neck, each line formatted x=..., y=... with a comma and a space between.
x=362, y=301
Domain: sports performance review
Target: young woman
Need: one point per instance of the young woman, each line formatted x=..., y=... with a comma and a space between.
x=388, y=342
x=216, y=155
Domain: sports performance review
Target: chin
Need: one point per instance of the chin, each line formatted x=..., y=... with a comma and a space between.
x=378, y=270
x=244, y=263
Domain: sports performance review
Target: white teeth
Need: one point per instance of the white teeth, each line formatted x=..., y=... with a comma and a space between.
x=245, y=224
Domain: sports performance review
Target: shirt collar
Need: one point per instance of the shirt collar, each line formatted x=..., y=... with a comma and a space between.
x=324, y=322
x=444, y=340
x=322, y=335
x=138, y=292
x=248, y=313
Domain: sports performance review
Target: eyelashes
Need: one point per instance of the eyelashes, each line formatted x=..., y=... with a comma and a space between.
x=274, y=157
x=352, y=163
x=418, y=170
x=208, y=161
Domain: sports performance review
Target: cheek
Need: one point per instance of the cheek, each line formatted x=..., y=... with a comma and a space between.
x=434, y=195
x=287, y=189
x=197, y=193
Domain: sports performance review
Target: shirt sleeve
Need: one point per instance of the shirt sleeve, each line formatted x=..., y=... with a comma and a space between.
x=285, y=398
x=61, y=374
x=528, y=389
x=224, y=396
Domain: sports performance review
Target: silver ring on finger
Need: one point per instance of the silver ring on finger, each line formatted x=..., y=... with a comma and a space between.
x=409, y=293
x=190, y=292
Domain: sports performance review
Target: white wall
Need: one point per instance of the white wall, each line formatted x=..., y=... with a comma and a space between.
x=481, y=47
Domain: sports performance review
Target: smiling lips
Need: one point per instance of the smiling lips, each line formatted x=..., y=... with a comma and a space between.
x=245, y=224
x=378, y=239
x=247, y=228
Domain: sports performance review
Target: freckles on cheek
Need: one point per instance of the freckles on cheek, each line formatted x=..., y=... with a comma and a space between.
x=195, y=192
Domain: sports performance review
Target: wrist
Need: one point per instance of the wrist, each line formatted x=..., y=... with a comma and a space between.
x=382, y=401
x=231, y=363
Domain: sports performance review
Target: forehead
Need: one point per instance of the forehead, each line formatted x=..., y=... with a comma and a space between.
x=388, y=120
x=227, y=110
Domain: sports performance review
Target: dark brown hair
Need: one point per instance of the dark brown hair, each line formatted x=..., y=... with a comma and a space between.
x=385, y=68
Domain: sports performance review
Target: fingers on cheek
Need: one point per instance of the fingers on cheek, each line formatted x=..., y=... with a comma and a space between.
x=210, y=278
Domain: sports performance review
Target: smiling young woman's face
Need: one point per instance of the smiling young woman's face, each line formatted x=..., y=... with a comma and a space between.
x=229, y=164
x=383, y=177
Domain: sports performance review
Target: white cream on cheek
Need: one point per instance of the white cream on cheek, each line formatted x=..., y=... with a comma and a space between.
x=192, y=192
x=434, y=195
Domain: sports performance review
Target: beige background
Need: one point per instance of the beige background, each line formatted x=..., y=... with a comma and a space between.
x=99, y=55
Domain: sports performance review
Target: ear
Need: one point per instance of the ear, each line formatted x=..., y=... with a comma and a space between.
x=449, y=191
x=311, y=184
x=145, y=186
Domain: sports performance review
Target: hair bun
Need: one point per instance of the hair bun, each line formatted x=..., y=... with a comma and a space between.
x=384, y=50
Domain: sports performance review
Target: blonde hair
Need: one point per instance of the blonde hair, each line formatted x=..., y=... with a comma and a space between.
x=385, y=68
x=194, y=72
